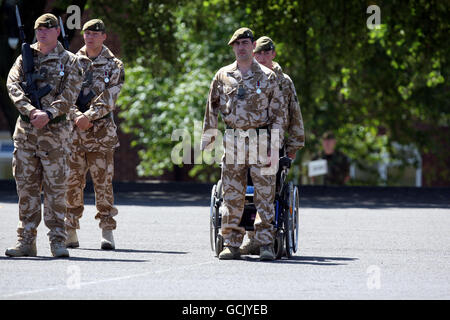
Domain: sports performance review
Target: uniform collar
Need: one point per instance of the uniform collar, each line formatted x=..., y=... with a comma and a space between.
x=55, y=52
x=276, y=67
x=104, y=55
x=254, y=69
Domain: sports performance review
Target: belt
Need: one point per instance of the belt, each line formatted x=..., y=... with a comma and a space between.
x=54, y=120
x=108, y=115
x=259, y=128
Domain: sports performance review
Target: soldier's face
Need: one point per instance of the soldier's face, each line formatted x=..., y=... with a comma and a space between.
x=94, y=39
x=243, y=49
x=265, y=58
x=328, y=145
x=47, y=36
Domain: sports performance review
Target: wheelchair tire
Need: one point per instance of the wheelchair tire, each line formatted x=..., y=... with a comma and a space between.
x=219, y=244
x=278, y=246
x=212, y=219
x=295, y=219
x=219, y=189
x=288, y=240
x=288, y=223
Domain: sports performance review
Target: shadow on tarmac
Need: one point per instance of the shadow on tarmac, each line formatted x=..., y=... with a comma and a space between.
x=312, y=260
x=47, y=258
x=179, y=194
x=135, y=251
x=73, y=256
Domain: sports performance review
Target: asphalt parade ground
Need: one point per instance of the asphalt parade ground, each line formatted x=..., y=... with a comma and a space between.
x=355, y=243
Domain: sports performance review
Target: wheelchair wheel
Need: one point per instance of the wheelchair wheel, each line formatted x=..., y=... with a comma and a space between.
x=212, y=219
x=219, y=244
x=288, y=237
x=279, y=244
x=289, y=223
x=295, y=219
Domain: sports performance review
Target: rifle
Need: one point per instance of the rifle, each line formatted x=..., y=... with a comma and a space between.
x=63, y=34
x=84, y=100
x=29, y=86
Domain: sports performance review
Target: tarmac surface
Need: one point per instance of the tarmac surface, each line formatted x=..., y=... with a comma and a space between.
x=355, y=243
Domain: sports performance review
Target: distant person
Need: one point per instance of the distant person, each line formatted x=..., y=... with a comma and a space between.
x=337, y=162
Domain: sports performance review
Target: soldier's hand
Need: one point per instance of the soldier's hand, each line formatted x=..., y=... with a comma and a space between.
x=39, y=118
x=33, y=113
x=83, y=122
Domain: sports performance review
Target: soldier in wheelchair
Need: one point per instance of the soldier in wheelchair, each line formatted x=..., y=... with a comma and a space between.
x=285, y=223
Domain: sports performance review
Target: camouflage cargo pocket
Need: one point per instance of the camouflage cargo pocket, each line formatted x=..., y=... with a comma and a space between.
x=106, y=134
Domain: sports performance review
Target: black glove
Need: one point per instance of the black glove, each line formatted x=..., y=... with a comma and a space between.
x=285, y=162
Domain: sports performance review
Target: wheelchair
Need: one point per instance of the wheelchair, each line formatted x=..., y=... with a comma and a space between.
x=286, y=218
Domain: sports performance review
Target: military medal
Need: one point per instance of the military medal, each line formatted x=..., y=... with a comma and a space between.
x=258, y=85
x=61, y=69
x=106, y=77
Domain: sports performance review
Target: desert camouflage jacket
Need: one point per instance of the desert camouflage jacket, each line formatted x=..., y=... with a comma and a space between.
x=104, y=77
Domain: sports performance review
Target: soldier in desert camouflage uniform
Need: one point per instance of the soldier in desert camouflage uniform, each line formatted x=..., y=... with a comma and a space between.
x=248, y=97
x=265, y=53
x=41, y=139
x=94, y=135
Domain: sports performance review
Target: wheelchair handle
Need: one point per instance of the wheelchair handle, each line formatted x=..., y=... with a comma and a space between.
x=285, y=162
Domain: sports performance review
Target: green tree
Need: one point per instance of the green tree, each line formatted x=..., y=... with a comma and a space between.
x=372, y=87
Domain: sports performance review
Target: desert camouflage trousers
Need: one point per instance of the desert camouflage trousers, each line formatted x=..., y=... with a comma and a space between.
x=36, y=171
x=101, y=167
x=234, y=185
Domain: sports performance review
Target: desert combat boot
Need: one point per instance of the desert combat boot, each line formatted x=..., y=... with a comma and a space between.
x=58, y=249
x=72, y=238
x=107, y=240
x=230, y=253
x=22, y=250
x=250, y=247
x=266, y=253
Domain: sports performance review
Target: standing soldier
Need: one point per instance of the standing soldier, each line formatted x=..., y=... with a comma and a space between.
x=265, y=53
x=338, y=164
x=42, y=136
x=94, y=135
x=247, y=96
